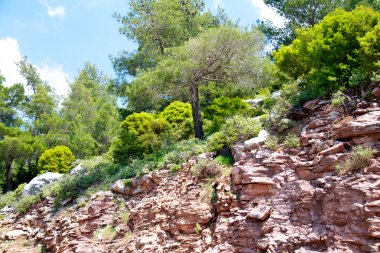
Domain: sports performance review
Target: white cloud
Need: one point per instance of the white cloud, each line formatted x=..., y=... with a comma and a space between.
x=10, y=54
x=53, y=74
x=55, y=77
x=268, y=13
x=58, y=11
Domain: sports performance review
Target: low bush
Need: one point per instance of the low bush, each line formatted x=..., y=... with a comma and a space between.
x=225, y=160
x=57, y=159
x=361, y=158
x=206, y=168
x=221, y=108
x=9, y=198
x=235, y=129
x=272, y=142
x=179, y=116
x=26, y=202
x=291, y=141
x=107, y=233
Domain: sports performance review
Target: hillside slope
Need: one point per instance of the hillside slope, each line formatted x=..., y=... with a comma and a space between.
x=289, y=200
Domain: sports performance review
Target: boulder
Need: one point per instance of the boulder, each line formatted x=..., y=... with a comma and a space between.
x=76, y=169
x=255, y=102
x=260, y=212
x=376, y=92
x=255, y=142
x=366, y=124
x=36, y=184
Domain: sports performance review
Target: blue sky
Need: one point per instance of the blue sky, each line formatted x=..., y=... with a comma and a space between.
x=59, y=36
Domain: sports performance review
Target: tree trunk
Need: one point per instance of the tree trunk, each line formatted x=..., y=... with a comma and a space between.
x=8, y=175
x=195, y=106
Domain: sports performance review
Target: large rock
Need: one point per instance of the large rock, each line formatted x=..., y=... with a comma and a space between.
x=255, y=142
x=36, y=184
x=366, y=124
x=77, y=169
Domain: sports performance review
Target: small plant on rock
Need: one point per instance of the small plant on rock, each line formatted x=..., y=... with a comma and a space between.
x=206, y=168
x=291, y=141
x=197, y=228
x=361, y=157
x=174, y=168
x=107, y=233
x=128, y=183
x=272, y=142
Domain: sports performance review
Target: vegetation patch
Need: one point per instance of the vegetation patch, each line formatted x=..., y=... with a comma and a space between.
x=360, y=159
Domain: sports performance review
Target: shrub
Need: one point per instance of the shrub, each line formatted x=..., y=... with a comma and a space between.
x=291, y=141
x=140, y=135
x=179, y=116
x=128, y=182
x=225, y=160
x=198, y=228
x=361, y=157
x=272, y=142
x=124, y=216
x=107, y=233
x=206, y=168
x=184, y=150
x=9, y=198
x=57, y=159
x=175, y=168
x=235, y=129
x=341, y=51
x=26, y=202
x=222, y=108
x=338, y=99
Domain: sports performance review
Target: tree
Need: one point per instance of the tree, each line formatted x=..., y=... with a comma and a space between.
x=329, y=55
x=11, y=100
x=12, y=148
x=304, y=13
x=90, y=113
x=157, y=25
x=223, y=55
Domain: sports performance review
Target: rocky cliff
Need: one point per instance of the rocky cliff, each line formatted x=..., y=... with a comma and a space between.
x=289, y=200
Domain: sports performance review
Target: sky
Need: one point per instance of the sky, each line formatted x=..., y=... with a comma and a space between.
x=60, y=36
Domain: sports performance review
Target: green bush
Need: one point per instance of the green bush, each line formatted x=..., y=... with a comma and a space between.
x=338, y=99
x=361, y=157
x=174, y=168
x=184, y=150
x=179, y=116
x=9, y=198
x=26, y=202
x=222, y=108
x=291, y=141
x=235, y=129
x=57, y=159
x=141, y=134
x=341, y=51
x=272, y=142
x=206, y=168
x=225, y=160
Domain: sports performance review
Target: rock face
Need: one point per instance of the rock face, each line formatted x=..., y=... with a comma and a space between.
x=289, y=200
x=36, y=184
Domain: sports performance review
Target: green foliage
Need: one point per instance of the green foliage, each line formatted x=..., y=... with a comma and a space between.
x=338, y=99
x=206, y=168
x=90, y=114
x=107, y=233
x=140, y=135
x=198, y=228
x=184, y=150
x=9, y=198
x=225, y=160
x=156, y=26
x=26, y=202
x=235, y=129
x=272, y=142
x=174, y=168
x=291, y=141
x=360, y=159
x=128, y=182
x=222, y=108
x=178, y=114
x=57, y=159
x=328, y=56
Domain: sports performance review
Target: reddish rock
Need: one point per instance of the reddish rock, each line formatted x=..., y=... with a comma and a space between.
x=376, y=92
